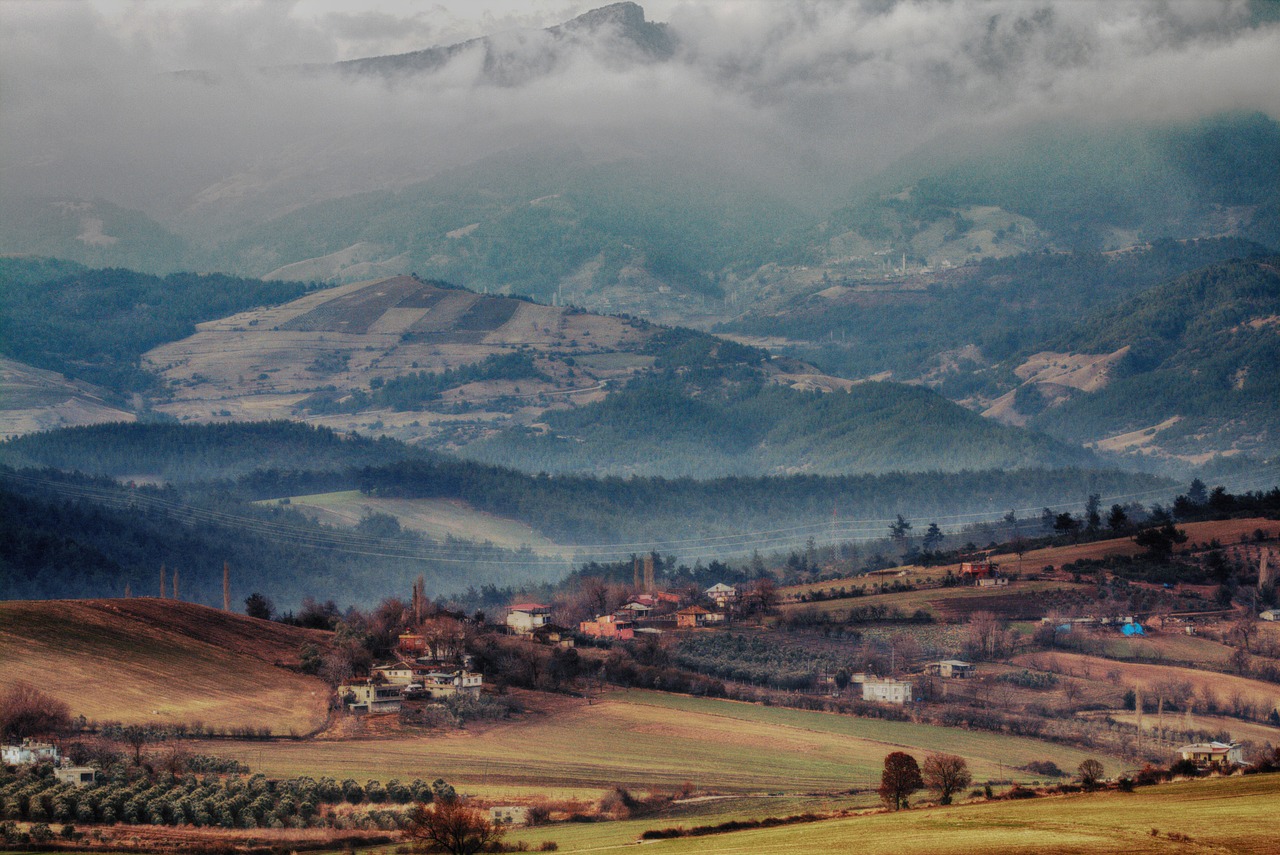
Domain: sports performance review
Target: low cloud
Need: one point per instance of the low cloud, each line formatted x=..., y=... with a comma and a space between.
x=811, y=96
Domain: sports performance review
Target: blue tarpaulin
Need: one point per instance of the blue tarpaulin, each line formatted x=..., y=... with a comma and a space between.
x=1132, y=629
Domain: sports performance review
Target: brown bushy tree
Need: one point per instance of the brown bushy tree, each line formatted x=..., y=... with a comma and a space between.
x=26, y=711
x=450, y=826
x=901, y=778
x=946, y=775
x=1091, y=772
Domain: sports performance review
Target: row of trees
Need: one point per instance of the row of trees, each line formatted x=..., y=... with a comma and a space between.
x=946, y=775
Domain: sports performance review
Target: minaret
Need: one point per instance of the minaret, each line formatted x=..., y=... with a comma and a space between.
x=226, y=587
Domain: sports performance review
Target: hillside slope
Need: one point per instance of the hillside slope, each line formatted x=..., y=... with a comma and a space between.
x=543, y=387
x=1201, y=369
x=150, y=661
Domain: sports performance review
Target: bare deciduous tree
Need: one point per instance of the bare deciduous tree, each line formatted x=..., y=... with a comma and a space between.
x=946, y=775
x=452, y=827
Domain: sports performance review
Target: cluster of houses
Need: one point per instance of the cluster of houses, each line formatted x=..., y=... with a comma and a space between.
x=31, y=753
x=648, y=613
x=412, y=677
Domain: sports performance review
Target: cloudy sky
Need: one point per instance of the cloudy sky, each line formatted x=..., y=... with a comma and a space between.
x=813, y=94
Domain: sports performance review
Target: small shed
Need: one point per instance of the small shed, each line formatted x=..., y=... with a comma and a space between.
x=80, y=776
x=951, y=668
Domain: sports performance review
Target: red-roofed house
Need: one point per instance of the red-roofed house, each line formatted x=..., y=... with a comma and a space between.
x=693, y=616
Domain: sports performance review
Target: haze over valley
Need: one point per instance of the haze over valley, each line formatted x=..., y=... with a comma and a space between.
x=437, y=426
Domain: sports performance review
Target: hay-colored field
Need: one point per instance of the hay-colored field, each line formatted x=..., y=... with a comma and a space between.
x=152, y=661
x=33, y=399
x=436, y=518
x=1175, y=647
x=1020, y=599
x=1222, y=815
x=1223, y=687
x=1224, y=531
x=645, y=740
x=1227, y=532
x=1238, y=730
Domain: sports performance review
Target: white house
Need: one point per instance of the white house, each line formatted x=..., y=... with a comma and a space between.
x=371, y=697
x=1271, y=614
x=524, y=618
x=889, y=690
x=28, y=753
x=1207, y=754
x=950, y=668
x=722, y=595
x=442, y=684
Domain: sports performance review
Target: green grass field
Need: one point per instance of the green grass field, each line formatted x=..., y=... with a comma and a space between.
x=436, y=518
x=649, y=740
x=1224, y=815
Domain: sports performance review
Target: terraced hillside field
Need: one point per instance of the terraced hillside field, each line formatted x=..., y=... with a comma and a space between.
x=152, y=661
x=267, y=363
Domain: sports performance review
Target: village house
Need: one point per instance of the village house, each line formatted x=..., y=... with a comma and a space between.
x=982, y=573
x=722, y=595
x=401, y=673
x=552, y=634
x=371, y=697
x=1213, y=754
x=888, y=690
x=608, y=626
x=636, y=609
x=444, y=684
x=950, y=668
x=691, y=617
x=1271, y=614
x=411, y=643
x=28, y=753
x=524, y=618
x=509, y=815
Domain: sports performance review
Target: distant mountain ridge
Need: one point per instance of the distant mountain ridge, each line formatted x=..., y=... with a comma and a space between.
x=513, y=58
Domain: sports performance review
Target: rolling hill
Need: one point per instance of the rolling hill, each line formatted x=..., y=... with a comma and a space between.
x=552, y=388
x=152, y=661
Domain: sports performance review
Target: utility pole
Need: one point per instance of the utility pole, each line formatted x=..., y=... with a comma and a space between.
x=162, y=582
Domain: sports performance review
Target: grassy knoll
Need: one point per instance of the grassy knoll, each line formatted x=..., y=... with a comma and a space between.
x=436, y=518
x=645, y=740
x=1221, y=688
x=151, y=661
x=1231, y=814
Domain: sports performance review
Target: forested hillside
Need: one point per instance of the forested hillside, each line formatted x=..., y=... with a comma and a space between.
x=188, y=453
x=96, y=324
x=1204, y=349
x=1000, y=307
x=669, y=425
x=72, y=537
